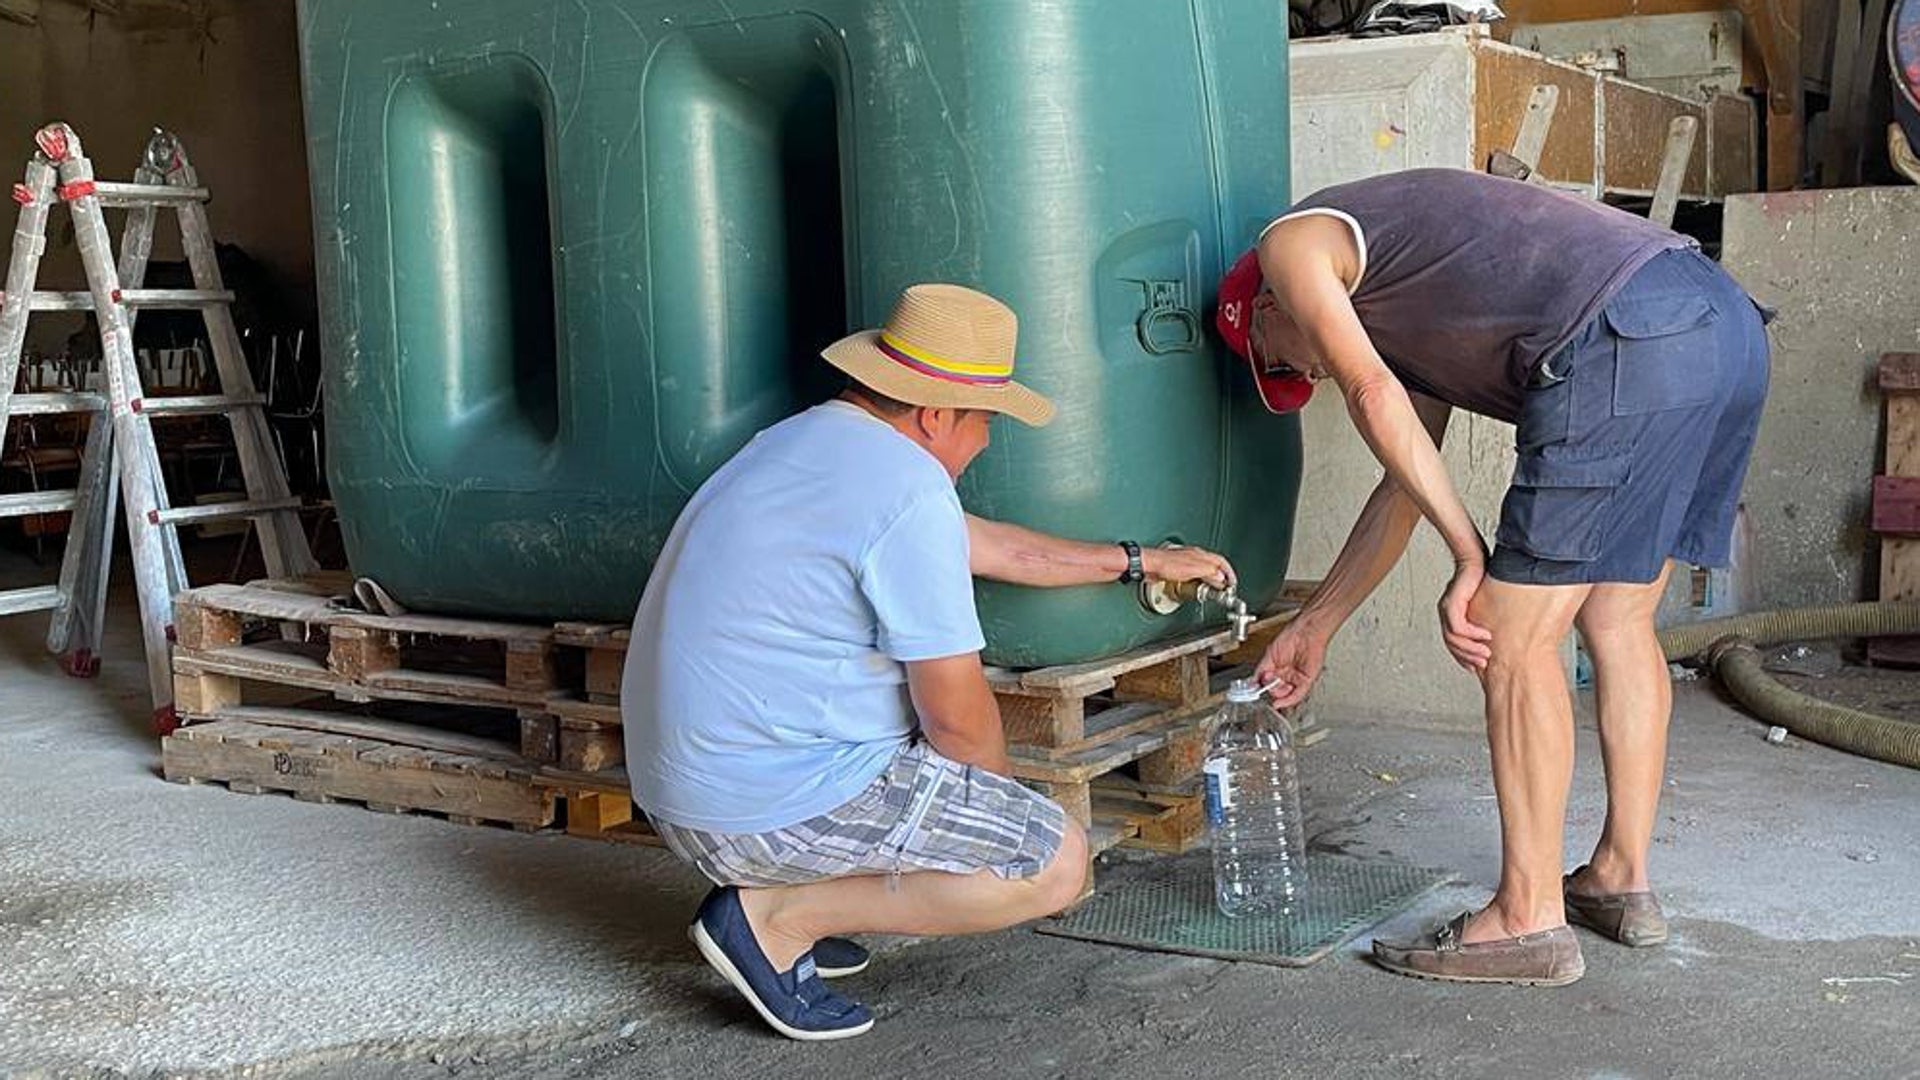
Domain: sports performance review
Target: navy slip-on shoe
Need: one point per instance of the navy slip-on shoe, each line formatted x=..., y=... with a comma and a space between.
x=837, y=958
x=795, y=1002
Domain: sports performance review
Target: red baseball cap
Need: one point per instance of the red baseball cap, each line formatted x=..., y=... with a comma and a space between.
x=1282, y=389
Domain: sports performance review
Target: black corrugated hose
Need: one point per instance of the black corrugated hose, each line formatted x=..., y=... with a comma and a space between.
x=1731, y=648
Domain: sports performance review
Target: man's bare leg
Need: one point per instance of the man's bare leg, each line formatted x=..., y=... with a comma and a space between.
x=788, y=920
x=1636, y=701
x=1530, y=734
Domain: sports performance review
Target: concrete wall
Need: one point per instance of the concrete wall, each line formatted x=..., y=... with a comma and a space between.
x=1389, y=657
x=222, y=74
x=1841, y=267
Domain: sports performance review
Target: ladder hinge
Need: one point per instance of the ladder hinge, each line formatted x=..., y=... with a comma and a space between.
x=52, y=141
x=79, y=189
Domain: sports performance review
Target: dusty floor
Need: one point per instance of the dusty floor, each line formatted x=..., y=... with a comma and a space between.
x=148, y=928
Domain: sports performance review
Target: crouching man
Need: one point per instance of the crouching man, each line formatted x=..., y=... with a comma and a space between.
x=807, y=719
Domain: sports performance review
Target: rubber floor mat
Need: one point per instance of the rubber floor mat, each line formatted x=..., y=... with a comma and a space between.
x=1168, y=907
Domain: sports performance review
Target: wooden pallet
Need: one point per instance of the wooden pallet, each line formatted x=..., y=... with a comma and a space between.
x=283, y=634
x=320, y=756
x=1896, y=502
x=1074, y=707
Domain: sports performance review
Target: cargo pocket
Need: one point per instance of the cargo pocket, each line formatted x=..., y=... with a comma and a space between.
x=1546, y=412
x=1557, y=506
x=1664, y=352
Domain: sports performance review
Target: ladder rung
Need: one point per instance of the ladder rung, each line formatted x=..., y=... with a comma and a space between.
x=220, y=511
x=37, y=598
x=112, y=193
x=139, y=298
x=36, y=502
x=54, y=404
x=202, y=405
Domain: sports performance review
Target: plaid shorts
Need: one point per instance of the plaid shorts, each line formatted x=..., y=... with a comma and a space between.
x=923, y=813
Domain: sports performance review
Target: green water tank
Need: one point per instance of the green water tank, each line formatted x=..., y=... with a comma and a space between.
x=573, y=255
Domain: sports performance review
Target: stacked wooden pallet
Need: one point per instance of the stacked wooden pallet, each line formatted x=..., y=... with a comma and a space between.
x=286, y=689
x=1119, y=742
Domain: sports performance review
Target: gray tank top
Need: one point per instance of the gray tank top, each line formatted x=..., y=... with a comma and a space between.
x=1470, y=280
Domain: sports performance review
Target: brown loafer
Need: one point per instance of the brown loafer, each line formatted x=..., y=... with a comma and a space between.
x=1633, y=919
x=1547, y=958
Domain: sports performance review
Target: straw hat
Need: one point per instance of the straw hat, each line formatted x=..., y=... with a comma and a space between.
x=944, y=346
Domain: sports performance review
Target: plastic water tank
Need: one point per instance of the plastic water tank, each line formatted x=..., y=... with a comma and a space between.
x=573, y=255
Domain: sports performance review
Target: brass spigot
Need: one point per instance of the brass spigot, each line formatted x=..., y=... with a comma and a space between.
x=1166, y=597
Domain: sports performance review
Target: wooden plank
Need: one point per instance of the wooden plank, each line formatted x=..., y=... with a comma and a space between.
x=270, y=665
x=450, y=687
x=530, y=666
x=323, y=583
x=539, y=737
x=1843, y=129
x=1180, y=681
x=586, y=746
x=1042, y=721
x=1635, y=122
x=203, y=694
x=1162, y=822
x=605, y=669
x=372, y=728
x=344, y=768
x=1079, y=766
x=265, y=603
x=594, y=813
x=587, y=711
x=301, y=607
x=610, y=780
x=1682, y=134
x=1118, y=722
x=1896, y=506
x=588, y=635
x=1733, y=145
x=1899, y=372
x=1504, y=78
x=196, y=627
x=1098, y=675
x=1073, y=796
x=1178, y=760
x=354, y=653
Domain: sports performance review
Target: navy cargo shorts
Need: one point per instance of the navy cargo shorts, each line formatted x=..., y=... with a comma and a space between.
x=1633, y=439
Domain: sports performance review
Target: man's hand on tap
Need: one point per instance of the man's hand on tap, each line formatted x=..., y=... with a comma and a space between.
x=1175, y=565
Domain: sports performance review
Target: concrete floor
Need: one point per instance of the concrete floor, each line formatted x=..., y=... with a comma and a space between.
x=148, y=928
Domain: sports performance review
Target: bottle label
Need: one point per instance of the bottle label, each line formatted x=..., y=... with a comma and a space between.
x=1219, y=790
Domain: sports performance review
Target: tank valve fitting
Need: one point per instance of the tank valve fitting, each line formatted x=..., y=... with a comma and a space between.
x=1166, y=597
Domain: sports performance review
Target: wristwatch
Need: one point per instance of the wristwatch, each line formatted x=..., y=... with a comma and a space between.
x=1135, y=573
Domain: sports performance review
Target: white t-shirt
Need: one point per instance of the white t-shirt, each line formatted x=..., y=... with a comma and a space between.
x=764, y=684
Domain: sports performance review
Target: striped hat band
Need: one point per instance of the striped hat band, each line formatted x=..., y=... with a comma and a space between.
x=930, y=363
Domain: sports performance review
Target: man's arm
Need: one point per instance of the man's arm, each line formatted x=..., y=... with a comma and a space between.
x=1376, y=542
x=1292, y=662
x=1021, y=556
x=1303, y=261
x=957, y=711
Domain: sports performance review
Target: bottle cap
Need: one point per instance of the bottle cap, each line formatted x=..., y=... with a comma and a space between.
x=1243, y=691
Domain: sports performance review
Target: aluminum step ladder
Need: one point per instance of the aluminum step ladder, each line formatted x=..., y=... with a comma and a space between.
x=120, y=454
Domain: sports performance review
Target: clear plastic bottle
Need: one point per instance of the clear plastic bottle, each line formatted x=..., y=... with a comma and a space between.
x=1253, y=807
